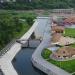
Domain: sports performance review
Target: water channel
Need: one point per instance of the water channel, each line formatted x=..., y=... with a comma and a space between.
x=22, y=63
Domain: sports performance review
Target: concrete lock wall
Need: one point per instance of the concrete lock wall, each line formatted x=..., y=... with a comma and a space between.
x=40, y=29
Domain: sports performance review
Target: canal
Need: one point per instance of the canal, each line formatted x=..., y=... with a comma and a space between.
x=22, y=63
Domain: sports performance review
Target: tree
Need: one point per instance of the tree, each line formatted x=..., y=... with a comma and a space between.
x=9, y=26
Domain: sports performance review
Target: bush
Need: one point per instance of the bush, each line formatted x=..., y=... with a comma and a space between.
x=38, y=4
x=46, y=53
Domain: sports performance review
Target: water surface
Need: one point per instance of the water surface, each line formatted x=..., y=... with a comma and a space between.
x=23, y=65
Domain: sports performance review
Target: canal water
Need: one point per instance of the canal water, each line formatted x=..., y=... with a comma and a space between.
x=22, y=63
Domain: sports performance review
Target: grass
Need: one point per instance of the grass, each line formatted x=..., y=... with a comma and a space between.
x=72, y=45
x=68, y=66
x=65, y=65
x=69, y=32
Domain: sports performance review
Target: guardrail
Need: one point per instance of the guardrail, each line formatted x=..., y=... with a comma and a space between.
x=7, y=47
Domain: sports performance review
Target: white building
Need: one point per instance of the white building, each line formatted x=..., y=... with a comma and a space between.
x=70, y=11
x=2, y=1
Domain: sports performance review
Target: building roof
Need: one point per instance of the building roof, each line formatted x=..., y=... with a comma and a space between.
x=56, y=37
x=69, y=20
x=57, y=28
x=63, y=10
x=66, y=40
x=66, y=51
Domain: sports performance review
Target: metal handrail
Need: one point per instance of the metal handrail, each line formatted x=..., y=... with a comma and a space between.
x=7, y=47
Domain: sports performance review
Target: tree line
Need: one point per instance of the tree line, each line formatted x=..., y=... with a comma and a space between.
x=38, y=4
x=12, y=26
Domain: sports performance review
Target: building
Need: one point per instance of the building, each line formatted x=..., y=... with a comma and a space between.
x=65, y=11
x=2, y=1
x=65, y=52
x=65, y=21
x=69, y=20
x=56, y=37
x=64, y=41
x=57, y=29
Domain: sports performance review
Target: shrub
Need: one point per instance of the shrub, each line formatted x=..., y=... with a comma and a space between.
x=46, y=53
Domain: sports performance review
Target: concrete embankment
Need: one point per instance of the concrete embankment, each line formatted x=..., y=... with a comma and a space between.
x=43, y=65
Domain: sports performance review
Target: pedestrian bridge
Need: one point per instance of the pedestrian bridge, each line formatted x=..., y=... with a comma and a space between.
x=29, y=43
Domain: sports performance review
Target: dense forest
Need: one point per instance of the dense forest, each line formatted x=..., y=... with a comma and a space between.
x=13, y=25
x=38, y=4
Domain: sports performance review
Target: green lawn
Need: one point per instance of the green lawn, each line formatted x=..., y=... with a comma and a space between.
x=68, y=66
x=72, y=45
x=69, y=32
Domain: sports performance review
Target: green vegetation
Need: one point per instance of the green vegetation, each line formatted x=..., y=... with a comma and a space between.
x=72, y=45
x=66, y=65
x=73, y=74
x=46, y=53
x=69, y=32
x=38, y=4
x=14, y=25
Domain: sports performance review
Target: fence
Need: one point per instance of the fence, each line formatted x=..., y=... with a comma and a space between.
x=8, y=46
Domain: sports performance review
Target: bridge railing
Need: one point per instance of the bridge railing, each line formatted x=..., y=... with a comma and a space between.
x=7, y=47
x=29, y=43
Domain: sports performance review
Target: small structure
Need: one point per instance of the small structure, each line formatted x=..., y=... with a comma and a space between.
x=65, y=11
x=57, y=29
x=64, y=52
x=56, y=37
x=66, y=41
x=69, y=20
